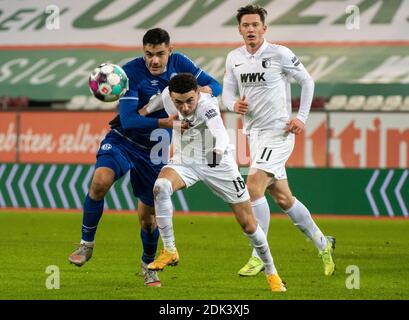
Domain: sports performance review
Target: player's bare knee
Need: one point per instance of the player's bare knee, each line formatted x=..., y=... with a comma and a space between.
x=147, y=220
x=98, y=190
x=99, y=187
x=162, y=189
x=148, y=225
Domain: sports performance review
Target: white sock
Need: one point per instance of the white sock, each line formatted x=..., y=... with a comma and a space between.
x=87, y=243
x=301, y=217
x=164, y=212
x=261, y=211
x=259, y=242
x=165, y=226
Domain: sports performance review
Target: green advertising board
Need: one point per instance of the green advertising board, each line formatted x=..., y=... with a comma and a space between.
x=323, y=191
x=60, y=74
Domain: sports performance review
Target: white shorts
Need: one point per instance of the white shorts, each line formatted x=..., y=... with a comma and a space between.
x=270, y=151
x=224, y=180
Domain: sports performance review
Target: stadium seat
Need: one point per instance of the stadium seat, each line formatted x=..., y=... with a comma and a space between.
x=4, y=102
x=77, y=102
x=93, y=103
x=392, y=103
x=405, y=105
x=59, y=106
x=355, y=103
x=373, y=103
x=336, y=103
x=318, y=103
x=109, y=105
x=14, y=102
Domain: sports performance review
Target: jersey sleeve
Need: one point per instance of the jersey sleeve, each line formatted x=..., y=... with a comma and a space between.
x=168, y=103
x=230, y=85
x=203, y=79
x=129, y=116
x=128, y=106
x=155, y=104
x=209, y=107
x=210, y=114
x=292, y=66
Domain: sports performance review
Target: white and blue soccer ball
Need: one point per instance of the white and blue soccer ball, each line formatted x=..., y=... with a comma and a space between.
x=108, y=82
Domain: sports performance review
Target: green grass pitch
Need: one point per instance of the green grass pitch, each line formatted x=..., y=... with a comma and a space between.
x=212, y=249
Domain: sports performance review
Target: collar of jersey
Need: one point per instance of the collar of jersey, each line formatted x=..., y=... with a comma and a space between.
x=258, y=52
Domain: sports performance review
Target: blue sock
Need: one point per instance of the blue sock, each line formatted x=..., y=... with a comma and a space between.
x=92, y=213
x=150, y=244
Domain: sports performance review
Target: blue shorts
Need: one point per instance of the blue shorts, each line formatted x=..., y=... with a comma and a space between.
x=120, y=154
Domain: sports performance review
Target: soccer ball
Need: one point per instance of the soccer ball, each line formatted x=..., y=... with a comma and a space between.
x=108, y=82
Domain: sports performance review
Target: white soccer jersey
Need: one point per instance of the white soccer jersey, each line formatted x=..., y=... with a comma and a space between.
x=198, y=140
x=189, y=151
x=264, y=80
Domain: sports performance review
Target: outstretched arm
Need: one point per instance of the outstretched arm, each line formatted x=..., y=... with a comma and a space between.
x=155, y=104
x=208, y=84
x=219, y=132
x=129, y=117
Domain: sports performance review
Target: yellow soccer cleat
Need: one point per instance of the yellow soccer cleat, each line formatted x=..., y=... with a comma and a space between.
x=326, y=256
x=166, y=258
x=252, y=268
x=275, y=283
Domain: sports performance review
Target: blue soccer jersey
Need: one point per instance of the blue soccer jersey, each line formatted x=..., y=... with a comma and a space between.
x=143, y=85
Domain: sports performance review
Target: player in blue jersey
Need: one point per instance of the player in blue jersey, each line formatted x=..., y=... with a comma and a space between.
x=127, y=147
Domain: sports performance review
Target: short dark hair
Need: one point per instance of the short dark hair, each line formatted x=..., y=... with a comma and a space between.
x=156, y=36
x=251, y=9
x=182, y=83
